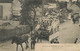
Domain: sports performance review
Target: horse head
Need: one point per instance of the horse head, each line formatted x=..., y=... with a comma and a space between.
x=14, y=38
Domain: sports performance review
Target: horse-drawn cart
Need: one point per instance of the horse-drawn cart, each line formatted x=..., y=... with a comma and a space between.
x=45, y=34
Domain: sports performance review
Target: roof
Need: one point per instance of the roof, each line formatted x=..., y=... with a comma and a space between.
x=6, y=1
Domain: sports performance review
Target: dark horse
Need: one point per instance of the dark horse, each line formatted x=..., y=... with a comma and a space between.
x=41, y=35
x=38, y=36
x=19, y=40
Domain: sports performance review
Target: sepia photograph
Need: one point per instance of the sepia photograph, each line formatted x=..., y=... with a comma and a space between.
x=27, y=24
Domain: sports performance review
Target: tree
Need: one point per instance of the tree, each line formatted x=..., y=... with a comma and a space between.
x=28, y=11
x=29, y=6
x=51, y=1
x=62, y=5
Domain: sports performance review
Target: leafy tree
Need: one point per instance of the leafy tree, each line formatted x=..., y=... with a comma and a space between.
x=51, y=1
x=28, y=11
x=28, y=6
x=62, y=5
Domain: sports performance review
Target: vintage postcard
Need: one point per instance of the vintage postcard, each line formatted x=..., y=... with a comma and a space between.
x=39, y=25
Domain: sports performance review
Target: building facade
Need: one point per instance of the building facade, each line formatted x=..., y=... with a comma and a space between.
x=5, y=9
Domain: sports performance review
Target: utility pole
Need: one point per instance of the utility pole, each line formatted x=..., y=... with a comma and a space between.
x=43, y=1
x=11, y=9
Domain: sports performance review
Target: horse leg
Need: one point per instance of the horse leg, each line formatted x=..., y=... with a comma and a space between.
x=17, y=48
x=26, y=45
x=37, y=39
x=40, y=39
x=22, y=47
x=74, y=21
x=31, y=45
x=27, y=42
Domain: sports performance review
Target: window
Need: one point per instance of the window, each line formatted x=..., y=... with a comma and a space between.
x=1, y=11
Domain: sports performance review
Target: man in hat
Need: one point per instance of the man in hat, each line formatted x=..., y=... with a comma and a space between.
x=33, y=41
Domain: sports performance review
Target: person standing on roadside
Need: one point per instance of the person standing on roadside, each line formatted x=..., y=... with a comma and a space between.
x=33, y=41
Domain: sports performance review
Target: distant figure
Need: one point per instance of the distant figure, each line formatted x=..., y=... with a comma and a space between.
x=69, y=16
x=76, y=40
x=39, y=38
x=75, y=18
x=55, y=41
x=6, y=17
x=33, y=41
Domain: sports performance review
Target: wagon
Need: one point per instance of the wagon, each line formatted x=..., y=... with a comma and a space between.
x=44, y=34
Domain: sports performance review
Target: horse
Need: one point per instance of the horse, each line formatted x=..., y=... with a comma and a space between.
x=18, y=40
x=39, y=35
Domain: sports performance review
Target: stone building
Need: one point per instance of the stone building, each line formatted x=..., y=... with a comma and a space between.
x=5, y=9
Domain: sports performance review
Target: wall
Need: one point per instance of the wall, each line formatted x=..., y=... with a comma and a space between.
x=6, y=10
